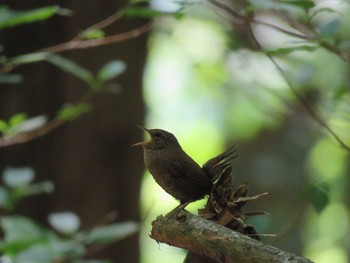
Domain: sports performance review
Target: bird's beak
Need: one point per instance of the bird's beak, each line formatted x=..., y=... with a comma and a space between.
x=141, y=143
x=142, y=128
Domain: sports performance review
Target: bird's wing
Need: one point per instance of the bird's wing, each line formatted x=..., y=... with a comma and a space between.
x=190, y=175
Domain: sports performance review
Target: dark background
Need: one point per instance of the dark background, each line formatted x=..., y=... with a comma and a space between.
x=90, y=161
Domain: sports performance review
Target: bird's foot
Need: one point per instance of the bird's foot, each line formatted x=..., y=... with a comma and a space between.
x=174, y=214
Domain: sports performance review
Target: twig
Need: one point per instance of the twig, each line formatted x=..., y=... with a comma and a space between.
x=28, y=136
x=81, y=44
x=78, y=43
x=217, y=242
x=288, y=32
x=75, y=43
x=310, y=110
x=246, y=20
x=240, y=20
x=41, y=131
x=103, y=24
x=340, y=53
x=249, y=198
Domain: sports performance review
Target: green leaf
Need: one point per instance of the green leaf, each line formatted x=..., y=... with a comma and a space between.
x=29, y=58
x=50, y=248
x=3, y=126
x=92, y=34
x=10, y=18
x=46, y=187
x=18, y=177
x=305, y=4
x=287, y=50
x=19, y=228
x=5, y=199
x=320, y=196
x=14, y=122
x=59, y=61
x=322, y=10
x=17, y=119
x=340, y=92
x=66, y=248
x=17, y=123
x=113, y=232
x=293, y=6
x=330, y=28
x=65, y=222
x=33, y=235
x=35, y=253
x=31, y=124
x=111, y=70
x=10, y=78
x=72, y=68
x=70, y=112
x=149, y=13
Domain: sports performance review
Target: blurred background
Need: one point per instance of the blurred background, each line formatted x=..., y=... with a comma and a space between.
x=203, y=72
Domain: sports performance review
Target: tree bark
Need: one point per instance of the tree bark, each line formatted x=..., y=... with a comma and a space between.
x=217, y=242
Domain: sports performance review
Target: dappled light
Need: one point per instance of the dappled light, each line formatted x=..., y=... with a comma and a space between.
x=210, y=91
x=256, y=92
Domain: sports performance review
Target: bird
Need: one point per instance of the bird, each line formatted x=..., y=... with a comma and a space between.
x=215, y=166
x=175, y=171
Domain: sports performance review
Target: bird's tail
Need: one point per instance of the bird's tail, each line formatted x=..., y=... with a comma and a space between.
x=217, y=165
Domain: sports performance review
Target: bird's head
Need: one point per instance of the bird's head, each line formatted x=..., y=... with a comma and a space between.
x=159, y=139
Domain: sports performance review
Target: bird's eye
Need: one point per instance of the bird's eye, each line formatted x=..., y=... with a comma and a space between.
x=157, y=134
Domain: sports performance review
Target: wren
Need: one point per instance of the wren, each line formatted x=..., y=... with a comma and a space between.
x=175, y=171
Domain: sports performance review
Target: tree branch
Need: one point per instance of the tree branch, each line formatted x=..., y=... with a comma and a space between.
x=220, y=243
x=303, y=101
x=77, y=43
x=23, y=137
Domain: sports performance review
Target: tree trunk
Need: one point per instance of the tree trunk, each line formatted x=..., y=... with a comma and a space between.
x=90, y=160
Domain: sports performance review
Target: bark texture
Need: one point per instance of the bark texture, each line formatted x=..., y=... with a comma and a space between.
x=217, y=242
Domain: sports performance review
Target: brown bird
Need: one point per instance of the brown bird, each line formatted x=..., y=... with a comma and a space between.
x=176, y=172
x=214, y=167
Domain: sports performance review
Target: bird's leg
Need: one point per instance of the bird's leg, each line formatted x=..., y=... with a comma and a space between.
x=173, y=214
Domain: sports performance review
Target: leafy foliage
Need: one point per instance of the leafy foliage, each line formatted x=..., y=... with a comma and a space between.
x=24, y=240
x=146, y=12
x=305, y=4
x=18, y=184
x=19, y=122
x=10, y=18
x=92, y=34
x=71, y=67
x=8, y=127
x=261, y=103
x=70, y=112
x=320, y=197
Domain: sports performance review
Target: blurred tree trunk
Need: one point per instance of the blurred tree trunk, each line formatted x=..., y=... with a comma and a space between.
x=90, y=161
